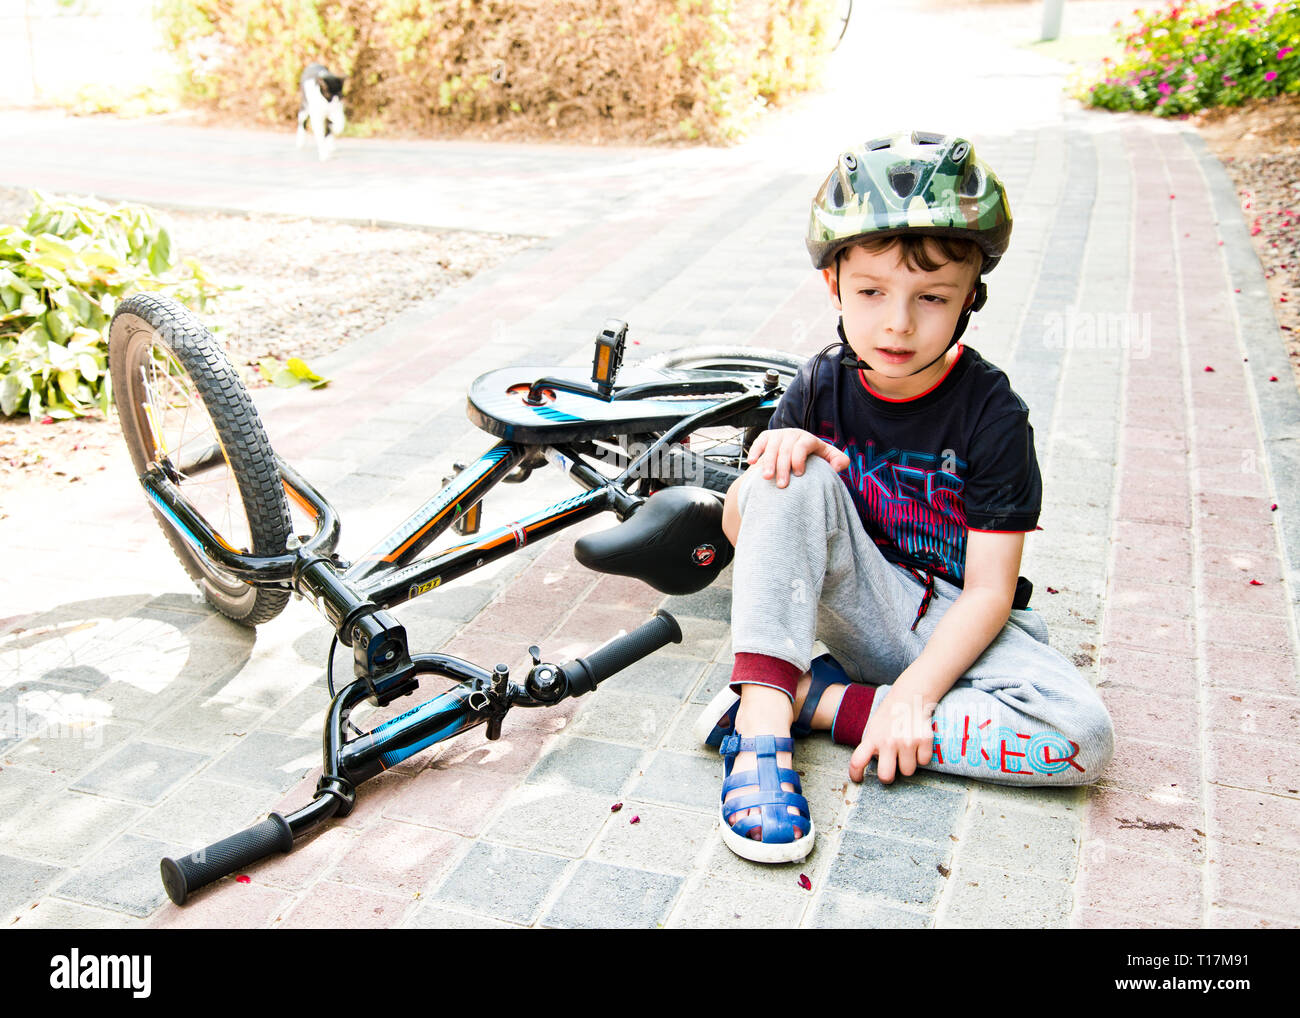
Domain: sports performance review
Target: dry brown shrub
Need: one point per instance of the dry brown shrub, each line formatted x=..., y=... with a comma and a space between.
x=650, y=69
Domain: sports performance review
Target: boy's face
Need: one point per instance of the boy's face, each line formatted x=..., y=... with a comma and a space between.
x=898, y=319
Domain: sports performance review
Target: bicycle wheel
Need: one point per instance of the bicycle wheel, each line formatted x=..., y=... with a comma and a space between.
x=184, y=409
x=714, y=457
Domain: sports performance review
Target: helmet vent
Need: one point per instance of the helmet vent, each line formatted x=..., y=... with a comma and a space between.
x=876, y=144
x=926, y=138
x=972, y=184
x=903, y=181
x=959, y=152
x=849, y=160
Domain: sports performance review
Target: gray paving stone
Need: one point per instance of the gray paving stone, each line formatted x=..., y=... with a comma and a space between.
x=984, y=897
x=436, y=917
x=601, y=896
x=663, y=839
x=551, y=819
x=65, y=828
x=889, y=868
x=56, y=914
x=141, y=772
x=123, y=877
x=71, y=754
x=679, y=779
x=1022, y=842
x=840, y=910
x=587, y=764
x=710, y=603
x=907, y=810
x=22, y=880
x=659, y=675
x=202, y=812
x=714, y=903
x=499, y=882
x=266, y=760
x=632, y=719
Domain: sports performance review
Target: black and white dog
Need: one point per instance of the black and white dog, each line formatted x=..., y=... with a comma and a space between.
x=321, y=104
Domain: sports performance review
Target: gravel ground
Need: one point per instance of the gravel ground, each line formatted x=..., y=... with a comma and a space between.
x=302, y=289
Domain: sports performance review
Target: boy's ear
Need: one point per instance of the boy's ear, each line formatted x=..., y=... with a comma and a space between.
x=832, y=287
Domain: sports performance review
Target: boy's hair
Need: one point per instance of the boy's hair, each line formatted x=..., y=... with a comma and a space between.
x=918, y=251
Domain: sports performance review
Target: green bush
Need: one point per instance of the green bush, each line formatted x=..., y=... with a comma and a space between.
x=61, y=278
x=659, y=69
x=1187, y=57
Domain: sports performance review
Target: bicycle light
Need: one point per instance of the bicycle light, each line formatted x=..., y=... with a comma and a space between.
x=609, y=355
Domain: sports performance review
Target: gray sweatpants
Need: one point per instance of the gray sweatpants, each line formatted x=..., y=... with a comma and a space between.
x=806, y=570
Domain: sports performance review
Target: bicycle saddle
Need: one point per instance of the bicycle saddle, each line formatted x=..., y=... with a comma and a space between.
x=674, y=542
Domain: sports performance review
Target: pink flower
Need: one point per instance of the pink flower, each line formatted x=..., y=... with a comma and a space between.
x=1283, y=53
x=1165, y=88
x=1270, y=75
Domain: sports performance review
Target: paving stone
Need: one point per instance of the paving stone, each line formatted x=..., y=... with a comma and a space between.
x=551, y=818
x=631, y=719
x=840, y=910
x=663, y=839
x=500, y=882
x=986, y=897
x=680, y=779
x=1021, y=842
x=55, y=914
x=601, y=896
x=141, y=772
x=123, y=877
x=906, y=810
x=266, y=760
x=436, y=917
x=889, y=868
x=659, y=675
x=22, y=880
x=713, y=903
x=587, y=764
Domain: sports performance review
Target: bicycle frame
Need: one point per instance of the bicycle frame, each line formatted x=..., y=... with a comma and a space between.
x=355, y=598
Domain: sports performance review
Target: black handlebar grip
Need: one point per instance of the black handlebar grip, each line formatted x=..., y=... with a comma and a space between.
x=190, y=872
x=583, y=674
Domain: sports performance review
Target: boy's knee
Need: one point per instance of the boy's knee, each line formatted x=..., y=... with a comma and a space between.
x=1094, y=734
x=818, y=477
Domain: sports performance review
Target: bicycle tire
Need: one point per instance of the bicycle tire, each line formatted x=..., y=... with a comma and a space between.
x=714, y=458
x=178, y=396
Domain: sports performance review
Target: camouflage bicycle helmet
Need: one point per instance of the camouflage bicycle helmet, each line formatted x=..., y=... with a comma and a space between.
x=914, y=182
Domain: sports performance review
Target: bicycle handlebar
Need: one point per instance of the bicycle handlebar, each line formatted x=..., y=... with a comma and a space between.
x=585, y=672
x=184, y=875
x=190, y=872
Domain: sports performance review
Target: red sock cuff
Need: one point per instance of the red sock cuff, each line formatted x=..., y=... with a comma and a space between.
x=851, y=718
x=766, y=671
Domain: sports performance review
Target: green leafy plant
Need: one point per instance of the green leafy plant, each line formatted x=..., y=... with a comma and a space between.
x=1187, y=57
x=290, y=373
x=61, y=277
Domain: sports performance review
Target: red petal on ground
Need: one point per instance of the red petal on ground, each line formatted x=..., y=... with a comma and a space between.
x=804, y=882
x=616, y=807
x=1272, y=378
x=1052, y=590
x=1256, y=583
x=635, y=820
x=241, y=879
x=1208, y=368
x=1273, y=507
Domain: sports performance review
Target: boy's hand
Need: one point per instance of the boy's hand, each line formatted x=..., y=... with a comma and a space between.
x=898, y=735
x=783, y=451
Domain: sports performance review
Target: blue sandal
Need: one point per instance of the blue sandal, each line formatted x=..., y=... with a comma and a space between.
x=718, y=719
x=777, y=824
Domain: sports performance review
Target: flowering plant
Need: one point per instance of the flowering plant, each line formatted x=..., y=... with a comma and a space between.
x=1187, y=56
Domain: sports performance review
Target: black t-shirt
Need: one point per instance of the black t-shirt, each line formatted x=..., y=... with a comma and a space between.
x=925, y=470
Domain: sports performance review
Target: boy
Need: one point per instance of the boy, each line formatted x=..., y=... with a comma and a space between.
x=884, y=514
